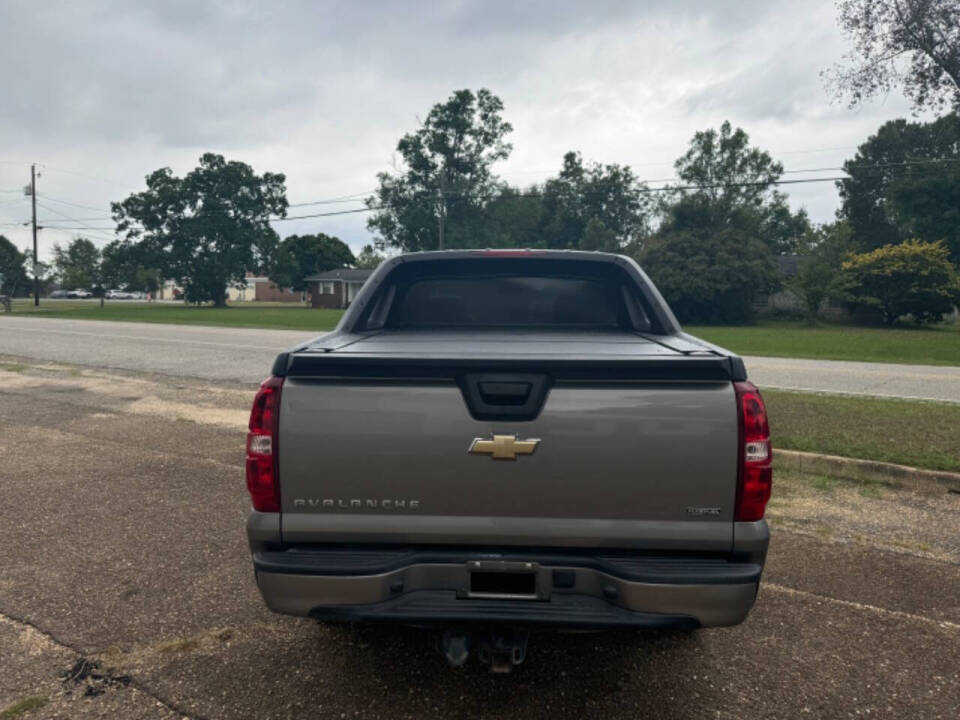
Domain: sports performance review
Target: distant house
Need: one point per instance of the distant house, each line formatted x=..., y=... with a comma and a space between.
x=789, y=265
x=336, y=288
x=255, y=287
x=784, y=300
x=786, y=303
x=262, y=289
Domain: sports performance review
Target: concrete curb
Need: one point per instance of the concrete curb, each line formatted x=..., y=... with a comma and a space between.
x=900, y=476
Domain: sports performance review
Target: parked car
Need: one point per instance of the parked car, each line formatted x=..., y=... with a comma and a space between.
x=79, y=293
x=59, y=294
x=498, y=441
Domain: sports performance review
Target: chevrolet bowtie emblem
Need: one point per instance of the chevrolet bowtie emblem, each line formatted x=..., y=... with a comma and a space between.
x=503, y=447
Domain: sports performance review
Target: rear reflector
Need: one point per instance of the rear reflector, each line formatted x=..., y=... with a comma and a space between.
x=263, y=481
x=755, y=476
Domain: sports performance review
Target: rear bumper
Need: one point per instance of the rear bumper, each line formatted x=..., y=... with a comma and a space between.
x=575, y=591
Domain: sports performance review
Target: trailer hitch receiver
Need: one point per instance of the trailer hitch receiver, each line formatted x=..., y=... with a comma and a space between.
x=502, y=650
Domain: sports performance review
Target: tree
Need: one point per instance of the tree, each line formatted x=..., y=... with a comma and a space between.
x=123, y=266
x=822, y=252
x=77, y=265
x=300, y=256
x=904, y=183
x=117, y=265
x=711, y=276
x=120, y=263
x=713, y=254
x=727, y=170
x=147, y=280
x=913, y=44
x=780, y=228
x=927, y=206
x=208, y=228
x=45, y=273
x=368, y=258
x=514, y=218
x=592, y=207
x=912, y=278
x=13, y=271
x=735, y=186
x=446, y=178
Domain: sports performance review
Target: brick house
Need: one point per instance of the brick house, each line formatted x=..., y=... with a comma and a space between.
x=266, y=290
x=336, y=288
x=262, y=289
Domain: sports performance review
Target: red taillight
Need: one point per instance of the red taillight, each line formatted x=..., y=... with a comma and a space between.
x=263, y=481
x=756, y=473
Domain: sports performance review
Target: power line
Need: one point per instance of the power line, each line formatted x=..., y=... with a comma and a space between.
x=69, y=219
x=811, y=151
x=360, y=197
x=75, y=232
x=55, y=168
x=326, y=214
x=431, y=200
x=355, y=197
x=98, y=217
x=72, y=204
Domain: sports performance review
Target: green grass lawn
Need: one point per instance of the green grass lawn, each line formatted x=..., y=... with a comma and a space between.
x=922, y=434
x=939, y=345
x=279, y=316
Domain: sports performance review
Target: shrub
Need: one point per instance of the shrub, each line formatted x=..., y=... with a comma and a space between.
x=712, y=277
x=912, y=278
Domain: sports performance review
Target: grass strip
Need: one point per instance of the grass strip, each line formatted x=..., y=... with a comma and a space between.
x=909, y=432
x=275, y=316
x=936, y=345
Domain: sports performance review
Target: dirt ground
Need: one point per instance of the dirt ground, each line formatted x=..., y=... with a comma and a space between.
x=127, y=592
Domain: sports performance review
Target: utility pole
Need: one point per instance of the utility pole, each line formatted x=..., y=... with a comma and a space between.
x=442, y=210
x=36, y=261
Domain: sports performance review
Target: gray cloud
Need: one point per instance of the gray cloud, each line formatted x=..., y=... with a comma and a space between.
x=323, y=90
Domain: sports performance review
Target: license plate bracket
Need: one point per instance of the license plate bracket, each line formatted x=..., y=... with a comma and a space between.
x=502, y=579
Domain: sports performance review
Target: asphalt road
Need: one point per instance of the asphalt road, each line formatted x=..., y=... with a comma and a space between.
x=126, y=591
x=243, y=355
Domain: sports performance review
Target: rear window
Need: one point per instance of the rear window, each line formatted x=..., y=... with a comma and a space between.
x=508, y=293
x=508, y=301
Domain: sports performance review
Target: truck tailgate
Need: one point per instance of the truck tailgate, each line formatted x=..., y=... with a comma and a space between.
x=637, y=447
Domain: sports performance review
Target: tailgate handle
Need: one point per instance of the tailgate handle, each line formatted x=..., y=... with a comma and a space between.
x=504, y=396
x=504, y=393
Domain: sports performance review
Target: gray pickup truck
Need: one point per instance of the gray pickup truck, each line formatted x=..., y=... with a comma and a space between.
x=497, y=441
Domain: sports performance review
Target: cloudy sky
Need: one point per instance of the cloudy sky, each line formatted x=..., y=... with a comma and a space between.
x=101, y=93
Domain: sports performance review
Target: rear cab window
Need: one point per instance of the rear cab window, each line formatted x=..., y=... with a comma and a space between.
x=498, y=293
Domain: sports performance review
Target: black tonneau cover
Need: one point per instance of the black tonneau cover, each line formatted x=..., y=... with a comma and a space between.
x=571, y=357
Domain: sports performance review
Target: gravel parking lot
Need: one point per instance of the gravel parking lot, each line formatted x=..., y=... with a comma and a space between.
x=127, y=591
